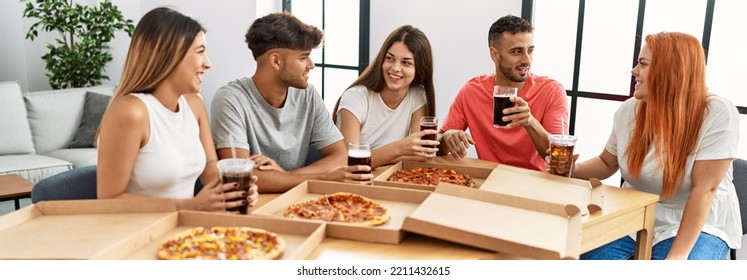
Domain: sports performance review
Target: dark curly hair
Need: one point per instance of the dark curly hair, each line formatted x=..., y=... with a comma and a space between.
x=509, y=23
x=281, y=30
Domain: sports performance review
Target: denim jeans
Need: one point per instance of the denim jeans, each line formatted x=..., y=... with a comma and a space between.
x=707, y=247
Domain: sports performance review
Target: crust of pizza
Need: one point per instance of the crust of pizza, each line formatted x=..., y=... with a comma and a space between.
x=431, y=176
x=341, y=207
x=223, y=243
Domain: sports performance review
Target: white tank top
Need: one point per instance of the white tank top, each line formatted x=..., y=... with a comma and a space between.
x=172, y=159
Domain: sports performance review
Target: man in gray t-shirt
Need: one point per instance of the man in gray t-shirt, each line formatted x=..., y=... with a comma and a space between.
x=275, y=117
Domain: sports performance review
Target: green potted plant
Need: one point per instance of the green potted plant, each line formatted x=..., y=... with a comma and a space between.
x=79, y=56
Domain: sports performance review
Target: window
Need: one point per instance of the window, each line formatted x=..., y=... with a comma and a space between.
x=344, y=52
x=591, y=45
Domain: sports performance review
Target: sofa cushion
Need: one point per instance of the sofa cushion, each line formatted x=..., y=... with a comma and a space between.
x=54, y=115
x=15, y=133
x=33, y=167
x=93, y=109
x=79, y=157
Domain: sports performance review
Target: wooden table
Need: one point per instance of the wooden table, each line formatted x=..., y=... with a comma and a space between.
x=14, y=187
x=625, y=212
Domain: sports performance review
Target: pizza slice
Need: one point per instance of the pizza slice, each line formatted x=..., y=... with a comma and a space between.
x=358, y=209
x=318, y=209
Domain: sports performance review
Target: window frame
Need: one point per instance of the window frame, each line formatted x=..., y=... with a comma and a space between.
x=364, y=31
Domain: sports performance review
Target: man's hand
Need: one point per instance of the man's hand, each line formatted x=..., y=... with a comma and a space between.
x=519, y=115
x=457, y=142
x=265, y=163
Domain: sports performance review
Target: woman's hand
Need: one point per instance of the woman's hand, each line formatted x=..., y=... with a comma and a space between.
x=217, y=197
x=414, y=146
x=213, y=198
x=253, y=192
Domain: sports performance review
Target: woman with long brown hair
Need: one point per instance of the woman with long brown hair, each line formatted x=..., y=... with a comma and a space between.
x=155, y=139
x=676, y=140
x=384, y=105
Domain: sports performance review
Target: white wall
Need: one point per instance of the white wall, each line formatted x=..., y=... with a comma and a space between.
x=458, y=34
x=225, y=20
x=13, y=64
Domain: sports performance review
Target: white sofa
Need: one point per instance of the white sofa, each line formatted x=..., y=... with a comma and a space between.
x=36, y=129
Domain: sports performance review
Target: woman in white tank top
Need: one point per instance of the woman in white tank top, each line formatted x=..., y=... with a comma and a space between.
x=155, y=137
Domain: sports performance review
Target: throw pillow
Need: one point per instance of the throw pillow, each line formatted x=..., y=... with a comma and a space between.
x=93, y=110
x=15, y=133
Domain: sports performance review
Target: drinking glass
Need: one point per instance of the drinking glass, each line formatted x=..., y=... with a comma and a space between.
x=502, y=100
x=427, y=123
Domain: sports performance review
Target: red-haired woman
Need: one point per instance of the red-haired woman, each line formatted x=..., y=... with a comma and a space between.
x=676, y=140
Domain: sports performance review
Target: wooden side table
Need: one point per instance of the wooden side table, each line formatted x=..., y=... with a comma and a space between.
x=14, y=187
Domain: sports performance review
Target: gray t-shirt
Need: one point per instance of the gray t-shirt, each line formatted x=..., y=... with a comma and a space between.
x=283, y=134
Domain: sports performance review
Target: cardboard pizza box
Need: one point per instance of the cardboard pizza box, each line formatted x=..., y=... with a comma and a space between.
x=125, y=228
x=478, y=174
x=502, y=223
x=515, y=181
x=399, y=202
x=301, y=237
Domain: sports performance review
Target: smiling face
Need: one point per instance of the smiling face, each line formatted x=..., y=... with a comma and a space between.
x=296, y=66
x=187, y=76
x=512, y=55
x=398, y=67
x=640, y=72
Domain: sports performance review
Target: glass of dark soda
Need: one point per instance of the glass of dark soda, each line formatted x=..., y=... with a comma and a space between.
x=237, y=170
x=502, y=100
x=429, y=123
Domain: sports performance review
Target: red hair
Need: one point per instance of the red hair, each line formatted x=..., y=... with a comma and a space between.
x=673, y=113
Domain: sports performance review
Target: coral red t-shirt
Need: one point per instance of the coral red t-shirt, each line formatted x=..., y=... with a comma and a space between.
x=473, y=109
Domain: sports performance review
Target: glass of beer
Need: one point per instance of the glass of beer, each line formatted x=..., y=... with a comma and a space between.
x=502, y=100
x=561, y=154
x=359, y=154
x=237, y=170
x=427, y=123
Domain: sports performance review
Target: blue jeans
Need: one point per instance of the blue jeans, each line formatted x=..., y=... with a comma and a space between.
x=707, y=247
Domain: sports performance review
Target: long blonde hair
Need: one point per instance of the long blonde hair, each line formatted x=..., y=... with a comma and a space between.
x=671, y=117
x=161, y=40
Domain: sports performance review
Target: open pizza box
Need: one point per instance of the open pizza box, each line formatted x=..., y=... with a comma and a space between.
x=127, y=229
x=399, y=202
x=514, y=226
x=478, y=174
x=515, y=181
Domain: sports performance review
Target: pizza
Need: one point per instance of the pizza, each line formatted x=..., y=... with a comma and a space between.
x=223, y=243
x=341, y=207
x=431, y=176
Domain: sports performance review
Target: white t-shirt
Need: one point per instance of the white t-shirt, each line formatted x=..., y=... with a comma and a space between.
x=169, y=164
x=381, y=125
x=718, y=139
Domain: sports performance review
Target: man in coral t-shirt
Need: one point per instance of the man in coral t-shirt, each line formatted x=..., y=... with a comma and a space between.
x=541, y=107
